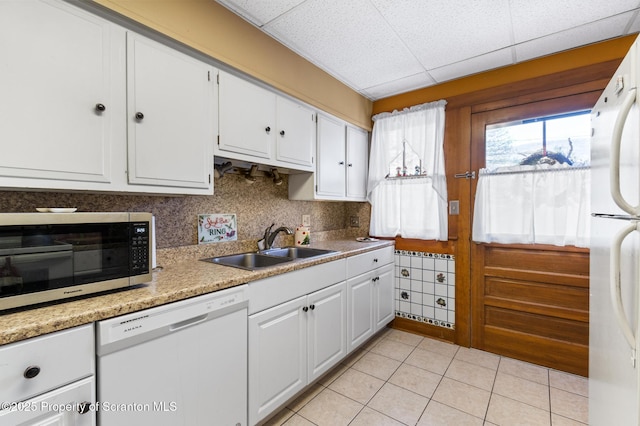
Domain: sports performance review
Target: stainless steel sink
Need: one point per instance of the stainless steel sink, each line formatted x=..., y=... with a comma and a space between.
x=297, y=252
x=268, y=258
x=249, y=261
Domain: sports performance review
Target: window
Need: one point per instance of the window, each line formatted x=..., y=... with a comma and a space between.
x=406, y=164
x=535, y=188
x=407, y=186
x=557, y=139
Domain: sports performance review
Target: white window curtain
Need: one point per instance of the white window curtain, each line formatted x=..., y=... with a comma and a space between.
x=539, y=204
x=414, y=207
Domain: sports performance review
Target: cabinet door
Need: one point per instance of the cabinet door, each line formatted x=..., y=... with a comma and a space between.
x=327, y=328
x=277, y=357
x=383, y=296
x=55, y=66
x=247, y=117
x=296, y=132
x=331, y=157
x=51, y=408
x=170, y=116
x=360, y=310
x=357, y=161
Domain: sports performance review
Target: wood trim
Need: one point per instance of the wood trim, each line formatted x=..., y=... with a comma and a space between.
x=424, y=329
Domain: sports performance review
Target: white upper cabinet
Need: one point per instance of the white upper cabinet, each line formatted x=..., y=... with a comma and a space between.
x=247, y=118
x=56, y=106
x=342, y=165
x=357, y=162
x=72, y=84
x=170, y=116
x=259, y=126
x=331, y=157
x=296, y=129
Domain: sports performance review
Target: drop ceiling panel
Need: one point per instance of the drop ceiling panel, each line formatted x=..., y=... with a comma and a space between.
x=348, y=38
x=533, y=19
x=600, y=30
x=385, y=47
x=431, y=28
x=402, y=85
x=260, y=12
x=474, y=65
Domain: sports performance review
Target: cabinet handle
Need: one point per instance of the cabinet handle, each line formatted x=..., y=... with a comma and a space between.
x=139, y=116
x=375, y=260
x=267, y=129
x=312, y=307
x=341, y=163
x=305, y=309
x=100, y=107
x=84, y=407
x=31, y=372
x=281, y=132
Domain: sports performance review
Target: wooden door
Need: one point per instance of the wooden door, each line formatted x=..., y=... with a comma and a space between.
x=530, y=302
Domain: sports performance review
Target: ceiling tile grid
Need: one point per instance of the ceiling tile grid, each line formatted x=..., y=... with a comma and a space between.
x=384, y=47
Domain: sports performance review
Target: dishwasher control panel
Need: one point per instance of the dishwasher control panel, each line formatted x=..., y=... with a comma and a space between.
x=145, y=325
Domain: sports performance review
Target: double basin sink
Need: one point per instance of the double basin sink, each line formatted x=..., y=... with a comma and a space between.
x=266, y=258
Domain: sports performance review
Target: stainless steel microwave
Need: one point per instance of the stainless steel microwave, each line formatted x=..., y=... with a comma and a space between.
x=52, y=256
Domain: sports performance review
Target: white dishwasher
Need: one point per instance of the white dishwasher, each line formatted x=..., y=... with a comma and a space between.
x=184, y=363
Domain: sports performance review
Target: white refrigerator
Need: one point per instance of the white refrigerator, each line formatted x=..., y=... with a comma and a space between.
x=614, y=359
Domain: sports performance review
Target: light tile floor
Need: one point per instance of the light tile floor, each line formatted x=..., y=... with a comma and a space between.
x=400, y=378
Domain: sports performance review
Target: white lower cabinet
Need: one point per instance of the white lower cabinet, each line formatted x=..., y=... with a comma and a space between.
x=49, y=380
x=292, y=344
x=383, y=297
x=370, y=295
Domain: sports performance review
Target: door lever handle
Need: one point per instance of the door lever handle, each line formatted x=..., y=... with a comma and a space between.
x=465, y=175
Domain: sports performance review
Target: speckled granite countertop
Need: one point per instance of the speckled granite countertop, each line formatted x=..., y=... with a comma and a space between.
x=175, y=282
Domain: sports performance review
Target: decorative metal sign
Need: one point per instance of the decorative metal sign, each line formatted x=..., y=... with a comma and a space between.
x=214, y=228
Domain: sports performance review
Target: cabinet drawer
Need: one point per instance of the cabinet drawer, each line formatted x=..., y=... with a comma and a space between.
x=62, y=358
x=58, y=407
x=274, y=290
x=366, y=262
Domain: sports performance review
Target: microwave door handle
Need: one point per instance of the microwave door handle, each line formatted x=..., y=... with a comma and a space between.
x=37, y=257
x=614, y=286
x=616, y=142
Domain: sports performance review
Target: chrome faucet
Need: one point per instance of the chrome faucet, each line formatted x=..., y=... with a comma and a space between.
x=270, y=236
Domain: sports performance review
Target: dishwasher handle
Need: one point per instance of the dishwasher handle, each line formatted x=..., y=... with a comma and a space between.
x=188, y=322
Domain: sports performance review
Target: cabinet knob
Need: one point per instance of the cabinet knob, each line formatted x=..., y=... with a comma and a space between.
x=305, y=309
x=341, y=163
x=267, y=129
x=84, y=407
x=139, y=116
x=350, y=165
x=312, y=307
x=31, y=372
x=100, y=107
x=281, y=132
x=375, y=260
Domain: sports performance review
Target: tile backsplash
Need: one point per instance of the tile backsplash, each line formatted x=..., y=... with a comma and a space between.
x=256, y=205
x=425, y=287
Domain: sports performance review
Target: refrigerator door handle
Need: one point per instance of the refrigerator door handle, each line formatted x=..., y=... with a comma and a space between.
x=614, y=286
x=616, y=141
